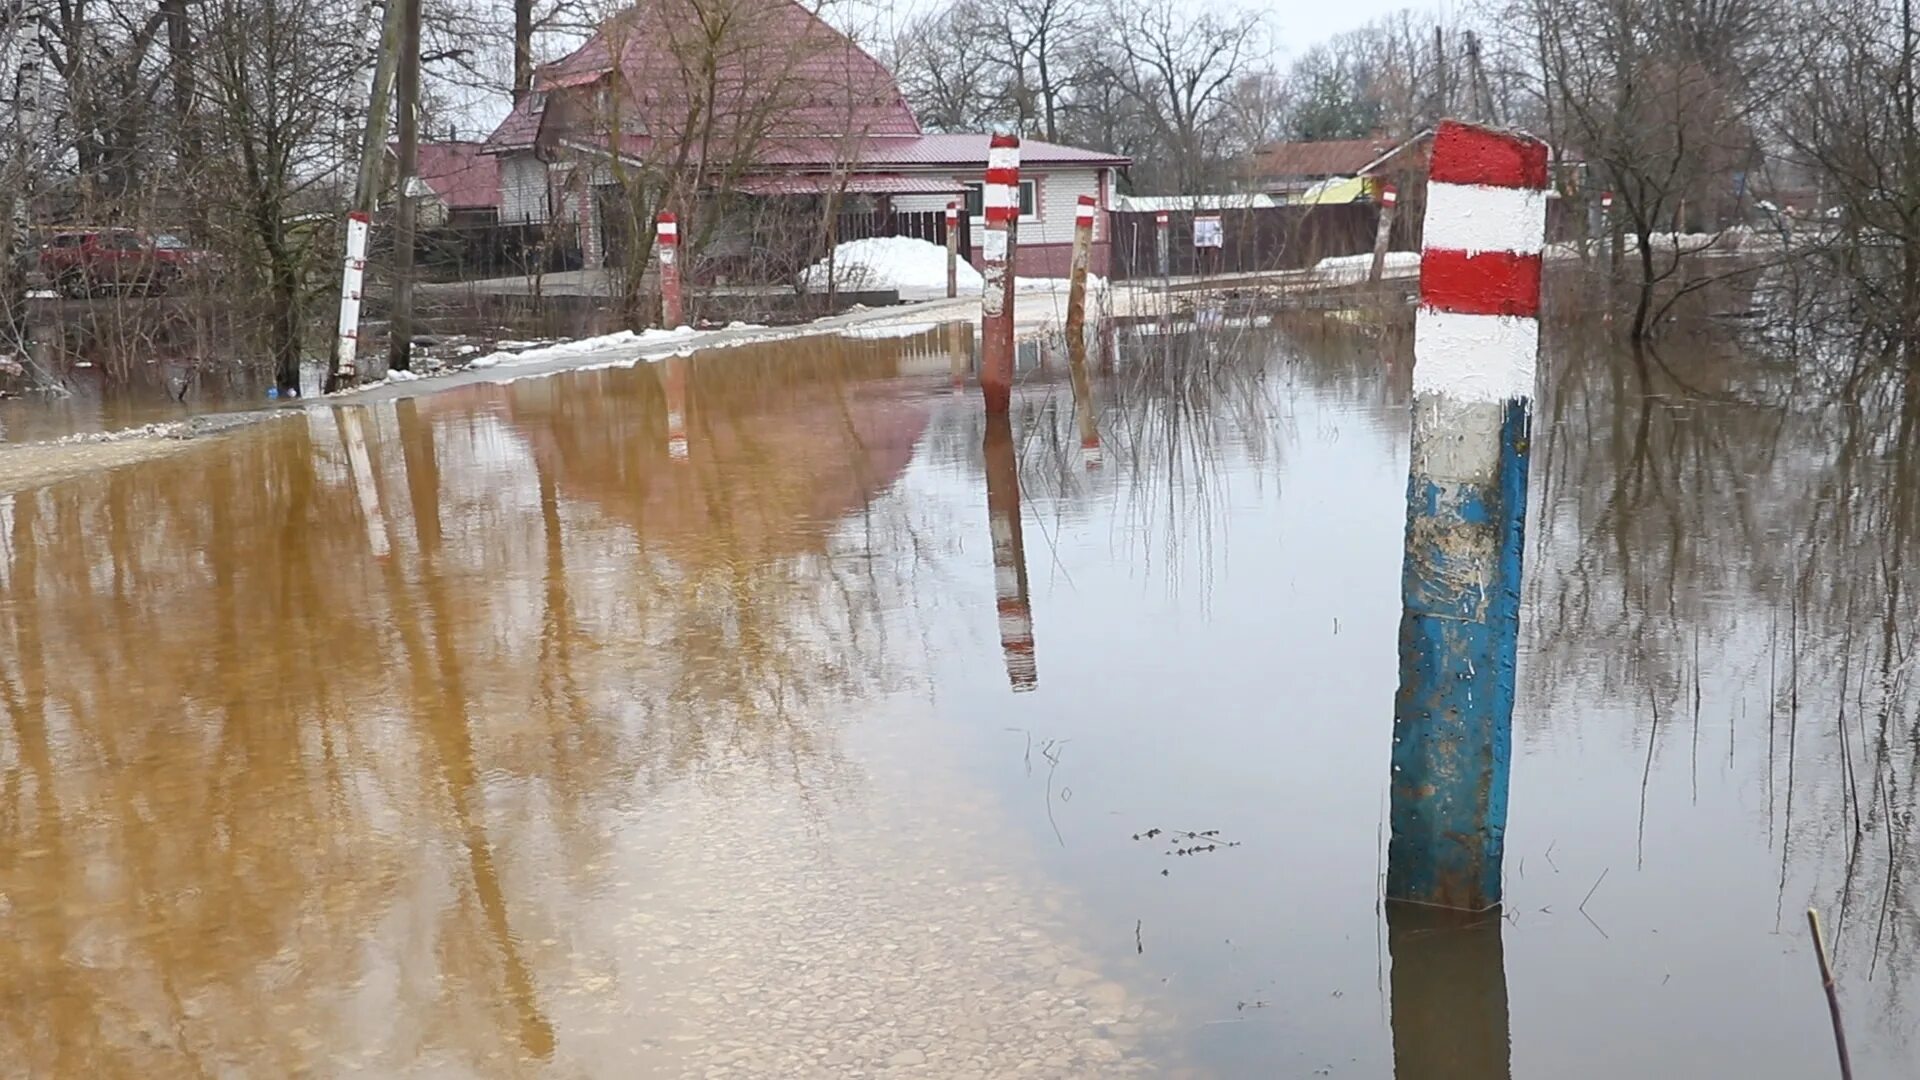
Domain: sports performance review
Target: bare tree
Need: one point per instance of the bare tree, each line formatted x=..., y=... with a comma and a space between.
x=1664, y=99
x=1179, y=67
x=1852, y=119
x=277, y=74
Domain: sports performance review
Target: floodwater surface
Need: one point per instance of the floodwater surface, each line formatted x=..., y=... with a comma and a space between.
x=771, y=713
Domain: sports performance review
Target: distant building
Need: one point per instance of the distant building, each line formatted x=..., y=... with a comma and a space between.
x=812, y=115
x=1285, y=170
x=456, y=184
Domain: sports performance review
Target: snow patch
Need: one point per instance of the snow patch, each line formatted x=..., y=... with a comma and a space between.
x=883, y=331
x=888, y=262
x=1340, y=268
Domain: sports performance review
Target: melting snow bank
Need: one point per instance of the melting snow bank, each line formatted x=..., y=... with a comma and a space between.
x=623, y=339
x=888, y=262
x=1344, y=268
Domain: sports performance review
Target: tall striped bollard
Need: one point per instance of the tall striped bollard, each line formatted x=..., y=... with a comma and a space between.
x=1001, y=198
x=1383, y=235
x=953, y=250
x=667, y=236
x=1476, y=342
x=1010, y=600
x=1162, y=243
x=1077, y=278
x=353, y=278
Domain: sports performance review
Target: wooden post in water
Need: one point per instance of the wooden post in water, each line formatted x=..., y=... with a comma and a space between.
x=1476, y=342
x=1383, y=235
x=953, y=250
x=1009, y=553
x=407, y=108
x=1077, y=280
x=1001, y=197
x=667, y=243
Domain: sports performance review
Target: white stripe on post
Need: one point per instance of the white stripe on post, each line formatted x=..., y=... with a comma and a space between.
x=1474, y=357
x=352, y=280
x=1480, y=217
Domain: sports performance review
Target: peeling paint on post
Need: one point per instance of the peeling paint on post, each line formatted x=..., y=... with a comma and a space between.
x=667, y=235
x=1476, y=342
x=1001, y=197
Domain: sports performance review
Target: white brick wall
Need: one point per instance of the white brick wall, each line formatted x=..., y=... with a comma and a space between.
x=1059, y=197
x=523, y=188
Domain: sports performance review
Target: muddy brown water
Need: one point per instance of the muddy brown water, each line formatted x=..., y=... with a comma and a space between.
x=695, y=719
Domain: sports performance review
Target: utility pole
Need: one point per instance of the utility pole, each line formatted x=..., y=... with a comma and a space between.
x=407, y=103
x=373, y=148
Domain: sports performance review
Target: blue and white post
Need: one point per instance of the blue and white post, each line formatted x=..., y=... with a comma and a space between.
x=1476, y=342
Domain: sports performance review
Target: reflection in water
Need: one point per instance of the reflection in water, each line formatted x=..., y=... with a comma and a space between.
x=1009, y=553
x=1448, y=995
x=673, y=379
x=267, y=799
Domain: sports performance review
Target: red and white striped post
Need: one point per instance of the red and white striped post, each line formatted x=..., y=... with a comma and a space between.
x=667, y=237
x=1000, y=196
x=1077, y=278
x=1010, y=597
x=1476, y=343
x=1162, y=243
x=1383, y=236
x=352, y=280
x=1616, y=235
x=953, y=250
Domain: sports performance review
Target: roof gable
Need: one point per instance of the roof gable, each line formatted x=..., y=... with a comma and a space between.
x=1333, y=157
x=731, y=69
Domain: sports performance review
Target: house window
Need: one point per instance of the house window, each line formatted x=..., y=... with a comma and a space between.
x=1029, y=199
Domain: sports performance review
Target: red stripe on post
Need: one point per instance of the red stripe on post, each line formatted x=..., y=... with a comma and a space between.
x=1481, y=283
x=1007, y=177
x=1003, y=139
x=1464, y=154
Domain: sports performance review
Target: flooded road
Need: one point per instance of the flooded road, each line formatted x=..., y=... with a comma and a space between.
x=770, y=713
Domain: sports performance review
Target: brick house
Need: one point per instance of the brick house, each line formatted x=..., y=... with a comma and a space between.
x=786, y=112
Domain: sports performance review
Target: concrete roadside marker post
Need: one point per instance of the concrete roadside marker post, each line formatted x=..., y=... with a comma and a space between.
x=953, y=250
x=352, y=279
x=1162, y=248
x=1476, y=344
x=1077, y=278
x=1001, y=198
x=667, y=243
x=1383, y=235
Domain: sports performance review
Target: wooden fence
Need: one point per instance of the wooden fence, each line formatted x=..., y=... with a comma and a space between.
x=1253, y=241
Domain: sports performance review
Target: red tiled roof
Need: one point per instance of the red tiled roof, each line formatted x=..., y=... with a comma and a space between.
x=1316, y=160
x=461, y=177
x=519, y=129
x=962, y=152
x=856, y=184
x=972, y=150
x=776, y=60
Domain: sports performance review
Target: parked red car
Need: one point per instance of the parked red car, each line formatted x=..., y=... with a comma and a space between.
x=81, y=261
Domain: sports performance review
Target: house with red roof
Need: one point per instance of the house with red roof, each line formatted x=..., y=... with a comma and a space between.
x=455, y=183
x=685, y=103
